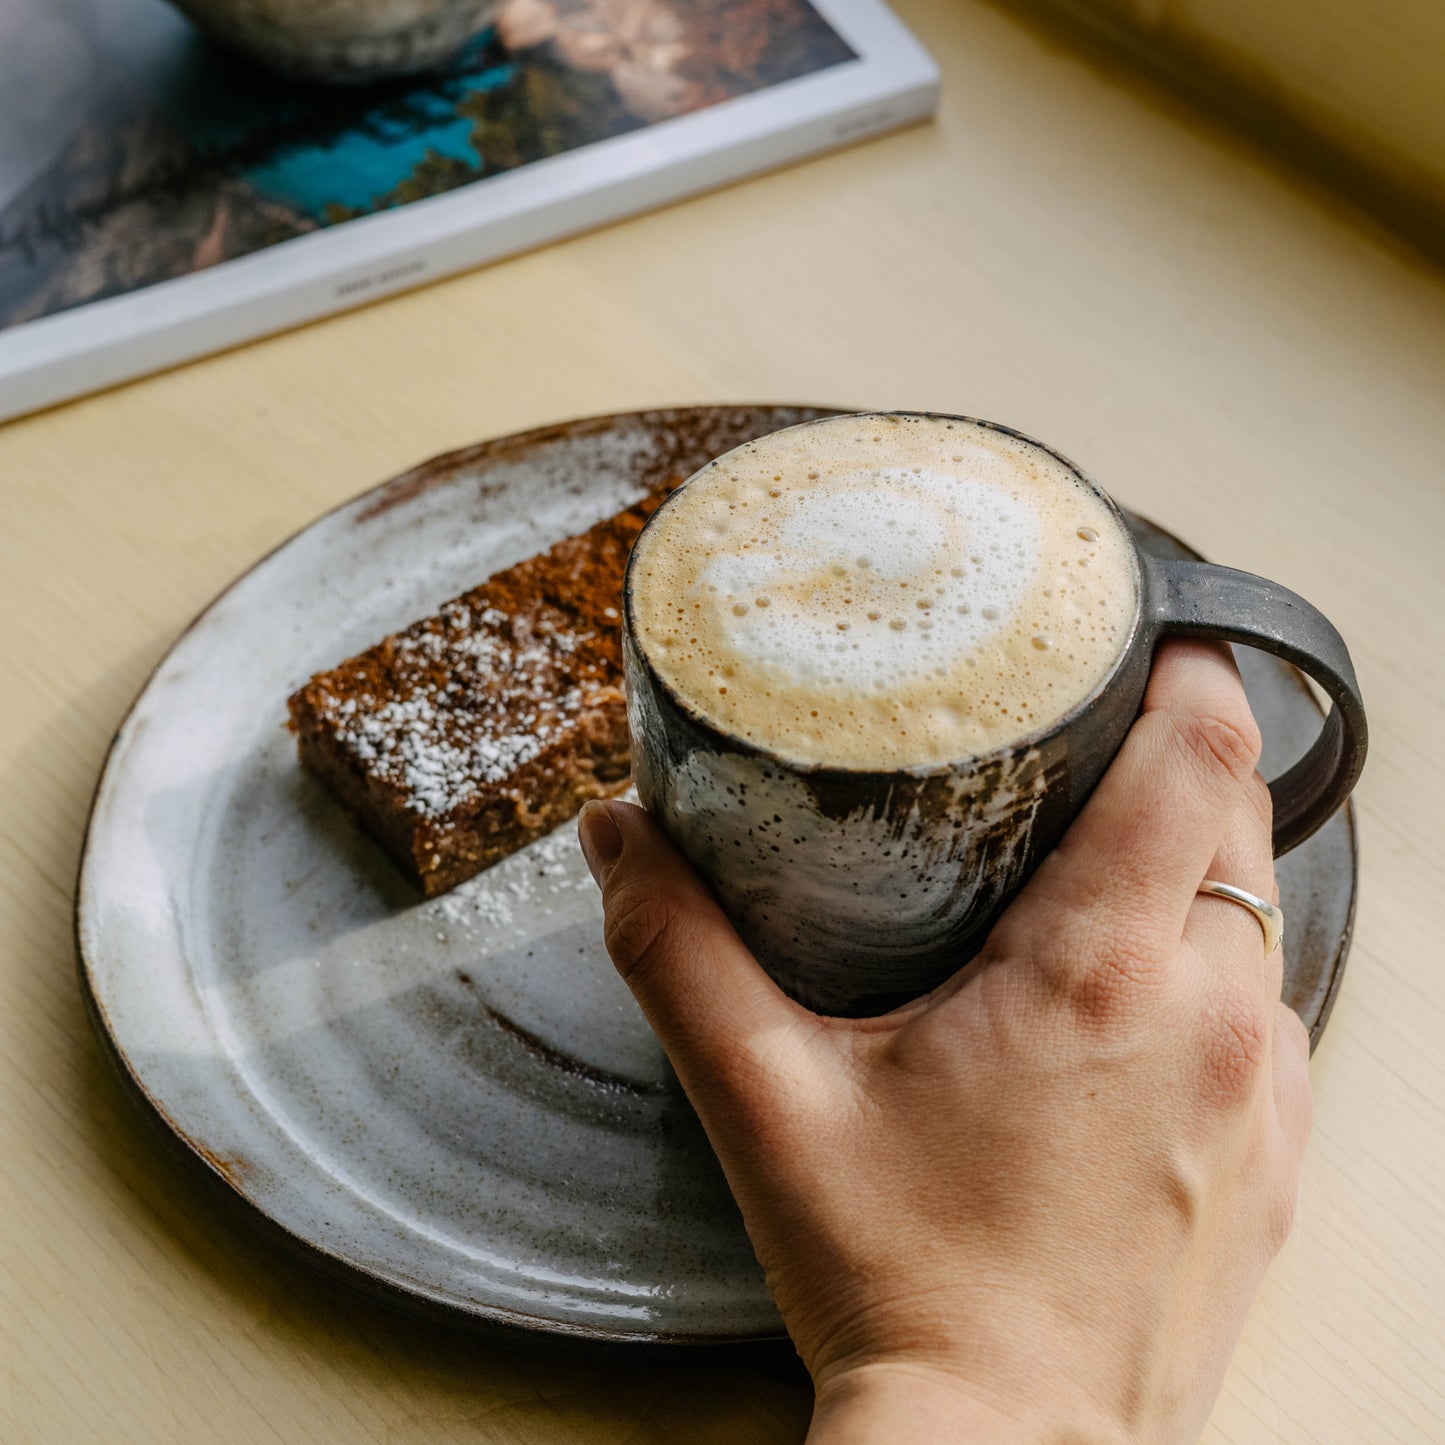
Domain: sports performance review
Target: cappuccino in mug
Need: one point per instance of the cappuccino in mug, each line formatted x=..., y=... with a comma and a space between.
x=884, y=591
x=875, y=665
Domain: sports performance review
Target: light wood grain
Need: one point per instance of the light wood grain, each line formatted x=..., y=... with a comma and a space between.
x=1062, y=251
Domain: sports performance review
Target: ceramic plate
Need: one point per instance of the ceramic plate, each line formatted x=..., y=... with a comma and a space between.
x=454, y=1103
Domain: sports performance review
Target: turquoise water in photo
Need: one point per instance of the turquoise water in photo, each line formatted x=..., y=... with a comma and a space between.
x=359, y=166
x=220, y=105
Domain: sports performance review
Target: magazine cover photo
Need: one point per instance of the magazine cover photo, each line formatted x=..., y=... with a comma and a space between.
x=133, y=149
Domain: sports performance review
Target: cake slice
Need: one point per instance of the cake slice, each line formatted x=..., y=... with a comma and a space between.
x=462, y=738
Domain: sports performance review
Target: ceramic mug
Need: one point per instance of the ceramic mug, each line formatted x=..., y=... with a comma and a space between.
x=858, y=889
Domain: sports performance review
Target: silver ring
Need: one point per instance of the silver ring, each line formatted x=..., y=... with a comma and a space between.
x=1266, y=914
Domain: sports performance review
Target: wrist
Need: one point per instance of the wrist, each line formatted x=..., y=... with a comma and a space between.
x=924, y=1404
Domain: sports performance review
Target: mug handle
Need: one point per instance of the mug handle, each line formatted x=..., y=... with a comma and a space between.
x=1200, y=599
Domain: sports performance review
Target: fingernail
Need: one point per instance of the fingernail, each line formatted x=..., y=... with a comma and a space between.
x=601, y=839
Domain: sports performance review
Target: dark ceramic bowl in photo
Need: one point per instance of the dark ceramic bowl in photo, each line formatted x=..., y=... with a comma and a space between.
x=344, y=41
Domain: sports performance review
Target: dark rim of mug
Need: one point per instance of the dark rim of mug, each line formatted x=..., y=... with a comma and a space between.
x=796, y=765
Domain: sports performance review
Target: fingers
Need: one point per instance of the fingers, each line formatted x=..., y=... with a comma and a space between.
x=1222, y=933
x=1143, y=843
x=703, y=992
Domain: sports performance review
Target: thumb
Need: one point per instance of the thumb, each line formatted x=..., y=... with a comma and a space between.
x=703, y=992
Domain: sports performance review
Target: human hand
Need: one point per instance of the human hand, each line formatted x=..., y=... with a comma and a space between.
x=1036, y=1203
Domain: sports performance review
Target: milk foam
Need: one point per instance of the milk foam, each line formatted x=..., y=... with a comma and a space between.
x=883, y=591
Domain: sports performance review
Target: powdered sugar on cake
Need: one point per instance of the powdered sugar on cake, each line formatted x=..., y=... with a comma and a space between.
x=482, y=701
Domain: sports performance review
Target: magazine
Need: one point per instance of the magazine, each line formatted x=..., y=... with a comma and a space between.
x=162, y=197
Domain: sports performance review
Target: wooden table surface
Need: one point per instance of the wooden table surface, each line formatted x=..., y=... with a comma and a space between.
x=1065, y=251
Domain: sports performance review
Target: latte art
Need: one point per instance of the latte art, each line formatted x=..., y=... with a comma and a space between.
x=872, y=576
x=882, y=592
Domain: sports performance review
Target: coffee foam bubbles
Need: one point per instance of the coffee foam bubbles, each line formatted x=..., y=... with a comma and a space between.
x=877, y=592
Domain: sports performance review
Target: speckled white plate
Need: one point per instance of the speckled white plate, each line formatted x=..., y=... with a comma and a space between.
x=454, y=1103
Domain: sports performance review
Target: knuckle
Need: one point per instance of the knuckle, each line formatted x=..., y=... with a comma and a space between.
x=1095, y=954
x=1230, y=743
x=1236, y=1048
x=1110, y=973
x=1101, y=995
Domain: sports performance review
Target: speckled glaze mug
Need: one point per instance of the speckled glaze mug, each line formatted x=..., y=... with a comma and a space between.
x=859, y=888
